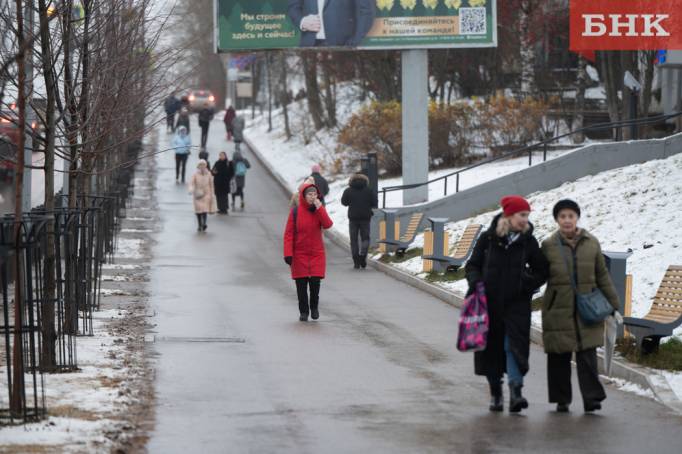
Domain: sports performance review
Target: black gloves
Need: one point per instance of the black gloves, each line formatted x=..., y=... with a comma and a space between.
x=288, y=260
x=312, y=208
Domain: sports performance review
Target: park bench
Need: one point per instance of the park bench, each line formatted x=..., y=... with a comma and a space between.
x=462, y=251
x=402, y=243
x=664, y=316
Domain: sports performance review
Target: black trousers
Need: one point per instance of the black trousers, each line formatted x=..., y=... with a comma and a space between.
x=559, y=377
x=204, y=134
x=359, y=237
x=222, y=200
x=170, y=121
x=201, y=219
x=302, y=285
x=180, y=164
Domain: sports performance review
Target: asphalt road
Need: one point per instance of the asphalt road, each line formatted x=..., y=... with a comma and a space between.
x=379, y=372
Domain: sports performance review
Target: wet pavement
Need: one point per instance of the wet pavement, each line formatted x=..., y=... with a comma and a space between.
x=379, y=372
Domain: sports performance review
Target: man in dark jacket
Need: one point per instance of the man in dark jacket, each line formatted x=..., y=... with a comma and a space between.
x=320, y=182
x=340, y=23
x=171, y=105
x=205, y=117
x=359, y=199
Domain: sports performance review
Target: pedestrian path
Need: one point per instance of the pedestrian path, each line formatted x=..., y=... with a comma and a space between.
x=237, y=371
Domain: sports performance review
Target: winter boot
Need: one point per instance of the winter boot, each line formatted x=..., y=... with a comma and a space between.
x=592, y=406
x=516, y=401
x=363, y=261
x=303, y=317
x=562, y=408
x=496, y=398
x=356, y=262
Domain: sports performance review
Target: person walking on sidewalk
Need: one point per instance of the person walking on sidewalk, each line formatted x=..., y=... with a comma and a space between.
x=201, y=189
x=222, y=174
x=238, y=125
x=320, y=182
x=171, y=106
x=359, y=199
x=229, y=117
x=182, y=143
x=241, y=166
x=575, y=263
x=205, y=117
x=304, y=249
x=183, y=119
x=508, y=261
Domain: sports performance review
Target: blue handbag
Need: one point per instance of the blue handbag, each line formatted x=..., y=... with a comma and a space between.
x=593, y=307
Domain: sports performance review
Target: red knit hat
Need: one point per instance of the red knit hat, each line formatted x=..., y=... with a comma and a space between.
x=512, y=204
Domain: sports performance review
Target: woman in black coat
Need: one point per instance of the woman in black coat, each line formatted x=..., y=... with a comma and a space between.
x=223, y=172
x=509, y=262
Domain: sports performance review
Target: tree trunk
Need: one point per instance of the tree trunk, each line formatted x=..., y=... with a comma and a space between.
x=284, y=95
x=16, y=402
x=578, y=116
x=48, y=360
x=610, y=69
x=312, y=88
x=526, y=48
x=329, y=90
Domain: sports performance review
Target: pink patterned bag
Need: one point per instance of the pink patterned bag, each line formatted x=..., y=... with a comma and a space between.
x=474, y=322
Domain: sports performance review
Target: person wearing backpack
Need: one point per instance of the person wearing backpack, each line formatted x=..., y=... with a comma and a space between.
x=304, y=249
x=508, y=261
x=241, y=166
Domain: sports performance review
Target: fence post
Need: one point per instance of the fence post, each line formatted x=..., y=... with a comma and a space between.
x=457, y=183
x=544, y=153
x=445, y=191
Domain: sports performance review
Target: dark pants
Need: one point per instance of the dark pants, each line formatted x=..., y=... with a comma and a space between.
x=180, y=164
x=201, y=219
x=359, y=229
x=559, y=377
x=302, y=285
x=170, y=121
x=204, y=134
x=222, y=200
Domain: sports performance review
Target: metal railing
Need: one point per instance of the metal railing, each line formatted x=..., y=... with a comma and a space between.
x=535, y=147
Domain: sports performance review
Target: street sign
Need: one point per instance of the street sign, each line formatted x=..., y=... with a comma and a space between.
x=346, y=24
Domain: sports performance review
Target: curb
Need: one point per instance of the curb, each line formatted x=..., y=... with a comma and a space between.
x=632, y=373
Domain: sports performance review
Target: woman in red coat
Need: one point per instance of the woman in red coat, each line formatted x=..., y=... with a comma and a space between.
x=304, y=248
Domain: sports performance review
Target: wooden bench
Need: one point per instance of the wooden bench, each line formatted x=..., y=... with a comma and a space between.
x=408, y=237
x=463, y=248
x=664, y=316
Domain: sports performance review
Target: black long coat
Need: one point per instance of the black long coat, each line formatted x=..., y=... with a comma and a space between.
x=223, y=172
x=510, y=273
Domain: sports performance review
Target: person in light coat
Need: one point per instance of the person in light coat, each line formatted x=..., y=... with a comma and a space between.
x=202, y=191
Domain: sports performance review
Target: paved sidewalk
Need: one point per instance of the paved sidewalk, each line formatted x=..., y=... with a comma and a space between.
x=378, y=373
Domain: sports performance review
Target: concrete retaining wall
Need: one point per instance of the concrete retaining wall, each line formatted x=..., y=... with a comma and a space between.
x=589, y=160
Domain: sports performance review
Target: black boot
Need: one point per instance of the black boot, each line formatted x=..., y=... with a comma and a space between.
x=516, y=401
x=356, y=262
x=592, y=406
x=363, y=261
x=562, y=408
x=496, y=398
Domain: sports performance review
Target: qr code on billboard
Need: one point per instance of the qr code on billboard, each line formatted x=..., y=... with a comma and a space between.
x=472, y=21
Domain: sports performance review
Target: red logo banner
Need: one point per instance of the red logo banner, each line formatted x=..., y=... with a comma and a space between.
x=625, y=25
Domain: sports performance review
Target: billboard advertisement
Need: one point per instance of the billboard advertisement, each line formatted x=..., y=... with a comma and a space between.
x=354, y=24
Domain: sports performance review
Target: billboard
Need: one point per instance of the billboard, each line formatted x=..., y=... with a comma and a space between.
x=350, y=24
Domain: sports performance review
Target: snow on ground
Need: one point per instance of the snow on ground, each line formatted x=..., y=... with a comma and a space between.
x=84, y=402
x=635, y=207
x=294, y=158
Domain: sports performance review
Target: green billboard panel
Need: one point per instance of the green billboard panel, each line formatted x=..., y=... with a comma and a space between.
x=354, y=24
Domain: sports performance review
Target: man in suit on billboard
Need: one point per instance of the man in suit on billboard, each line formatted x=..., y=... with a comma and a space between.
x=341, y=23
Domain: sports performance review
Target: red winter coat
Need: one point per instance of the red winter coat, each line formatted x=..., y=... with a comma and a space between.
x=308, y=251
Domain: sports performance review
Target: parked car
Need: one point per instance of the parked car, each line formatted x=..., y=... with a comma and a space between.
x=198, y=99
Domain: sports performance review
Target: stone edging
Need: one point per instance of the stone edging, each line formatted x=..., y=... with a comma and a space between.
x=625, y=371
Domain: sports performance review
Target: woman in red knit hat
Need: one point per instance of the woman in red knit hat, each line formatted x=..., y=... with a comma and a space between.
x=509, y=262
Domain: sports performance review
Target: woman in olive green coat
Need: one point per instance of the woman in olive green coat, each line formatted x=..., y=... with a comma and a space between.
x=563, y=330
